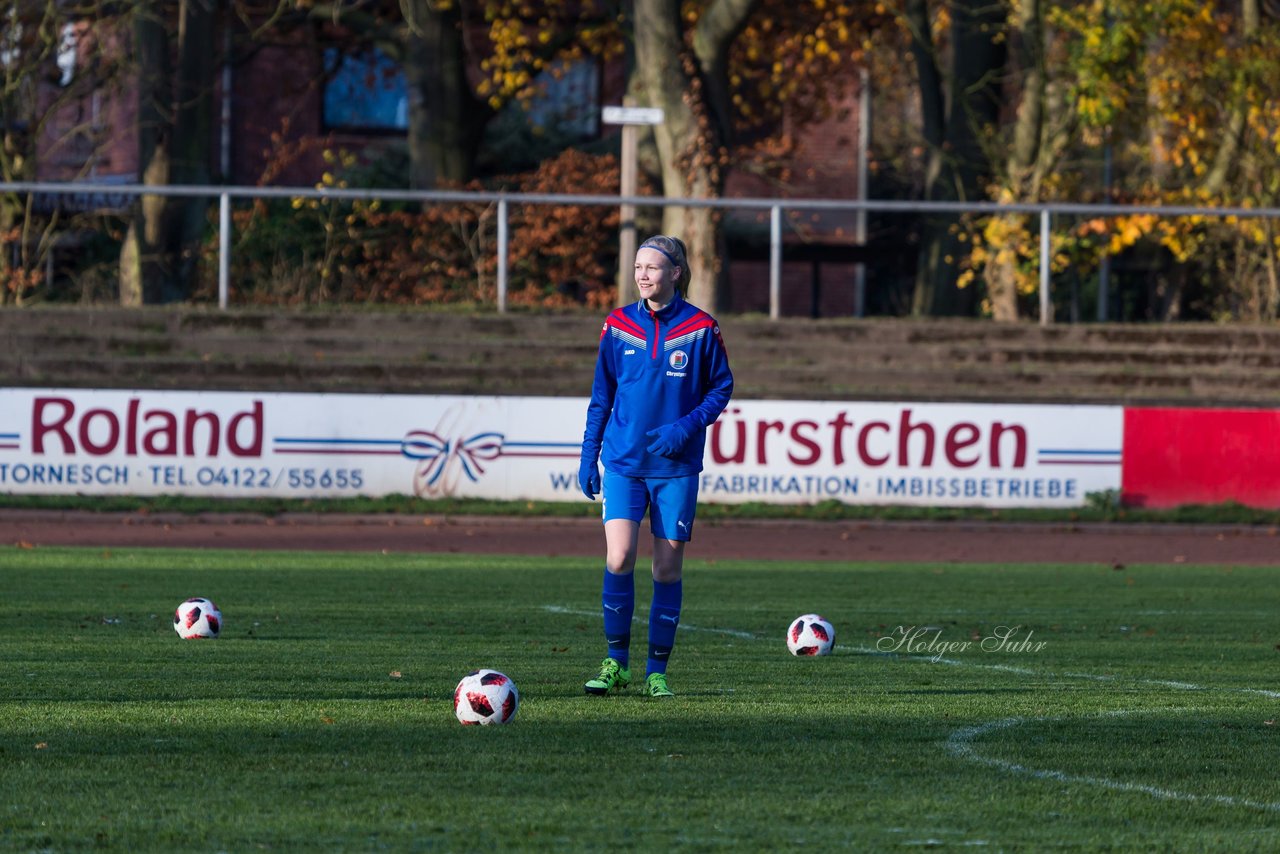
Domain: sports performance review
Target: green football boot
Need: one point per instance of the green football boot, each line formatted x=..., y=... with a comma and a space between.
x=655, y=685
x=612, y=675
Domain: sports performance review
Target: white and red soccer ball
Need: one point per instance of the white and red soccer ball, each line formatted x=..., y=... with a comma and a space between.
x=485, y=697
x=810, y=634
x=197, y=618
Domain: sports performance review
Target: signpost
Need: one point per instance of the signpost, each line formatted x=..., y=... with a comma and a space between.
x=630, y=118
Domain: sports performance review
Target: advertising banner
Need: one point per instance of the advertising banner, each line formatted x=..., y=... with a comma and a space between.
x=236, y=444
x=933, y=454
x=1201, y=456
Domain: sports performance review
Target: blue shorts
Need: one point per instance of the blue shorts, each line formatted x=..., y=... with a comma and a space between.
x=671, y=502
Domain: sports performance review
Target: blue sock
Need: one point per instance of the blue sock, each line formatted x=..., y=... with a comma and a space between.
x=664, y=616
x=618, y=600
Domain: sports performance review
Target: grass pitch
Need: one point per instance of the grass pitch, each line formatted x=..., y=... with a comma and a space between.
x=996, y=706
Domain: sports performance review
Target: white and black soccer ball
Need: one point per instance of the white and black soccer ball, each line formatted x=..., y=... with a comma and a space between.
x=197, y=618
x=485, y=697
x=810, y=634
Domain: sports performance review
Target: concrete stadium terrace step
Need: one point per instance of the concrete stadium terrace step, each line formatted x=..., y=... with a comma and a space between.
x=417, y=351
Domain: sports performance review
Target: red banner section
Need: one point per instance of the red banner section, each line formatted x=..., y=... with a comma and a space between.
x=1201, y=456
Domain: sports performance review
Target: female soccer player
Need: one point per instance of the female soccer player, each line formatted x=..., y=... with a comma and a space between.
x=662, y=376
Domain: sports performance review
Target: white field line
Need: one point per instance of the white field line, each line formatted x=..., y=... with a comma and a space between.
x=938, y=659
x=941, y=843
x=960, y=744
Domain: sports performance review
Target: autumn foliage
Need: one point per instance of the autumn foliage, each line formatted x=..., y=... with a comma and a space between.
x=330, y=250
x=1181, y=96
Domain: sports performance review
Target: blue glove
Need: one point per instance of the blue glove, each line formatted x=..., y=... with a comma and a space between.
x=589, y=477
x=669, y=439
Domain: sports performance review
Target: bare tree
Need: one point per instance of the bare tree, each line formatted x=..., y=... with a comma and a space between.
x=52, y=65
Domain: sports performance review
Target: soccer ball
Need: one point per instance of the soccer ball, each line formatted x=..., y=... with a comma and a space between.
x=197, y=618
x=810, y=634
x=485, y=697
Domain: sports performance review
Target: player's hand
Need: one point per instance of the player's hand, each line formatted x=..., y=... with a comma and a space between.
x=669, y=439
x=589, y=478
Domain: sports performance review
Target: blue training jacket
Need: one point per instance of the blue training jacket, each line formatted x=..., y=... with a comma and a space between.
x=653, y=369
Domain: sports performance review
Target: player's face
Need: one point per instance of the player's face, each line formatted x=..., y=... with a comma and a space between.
x=655, y=277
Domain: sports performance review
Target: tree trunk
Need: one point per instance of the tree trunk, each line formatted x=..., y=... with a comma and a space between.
x=446, y=121
x=935, y=291
x=140, y=257
x=681, y=79
x=1216, y=178
x=1001, y=273
x=958, y=167
x=193, y=138
x=1021, y=182
x=175, y=139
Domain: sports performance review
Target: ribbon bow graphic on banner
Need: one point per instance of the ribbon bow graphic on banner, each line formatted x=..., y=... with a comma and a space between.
x=439, y=459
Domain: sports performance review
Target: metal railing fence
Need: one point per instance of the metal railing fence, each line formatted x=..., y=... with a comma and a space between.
x=503, y=200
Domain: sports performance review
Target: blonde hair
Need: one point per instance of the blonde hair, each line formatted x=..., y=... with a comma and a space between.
x=674, y=250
